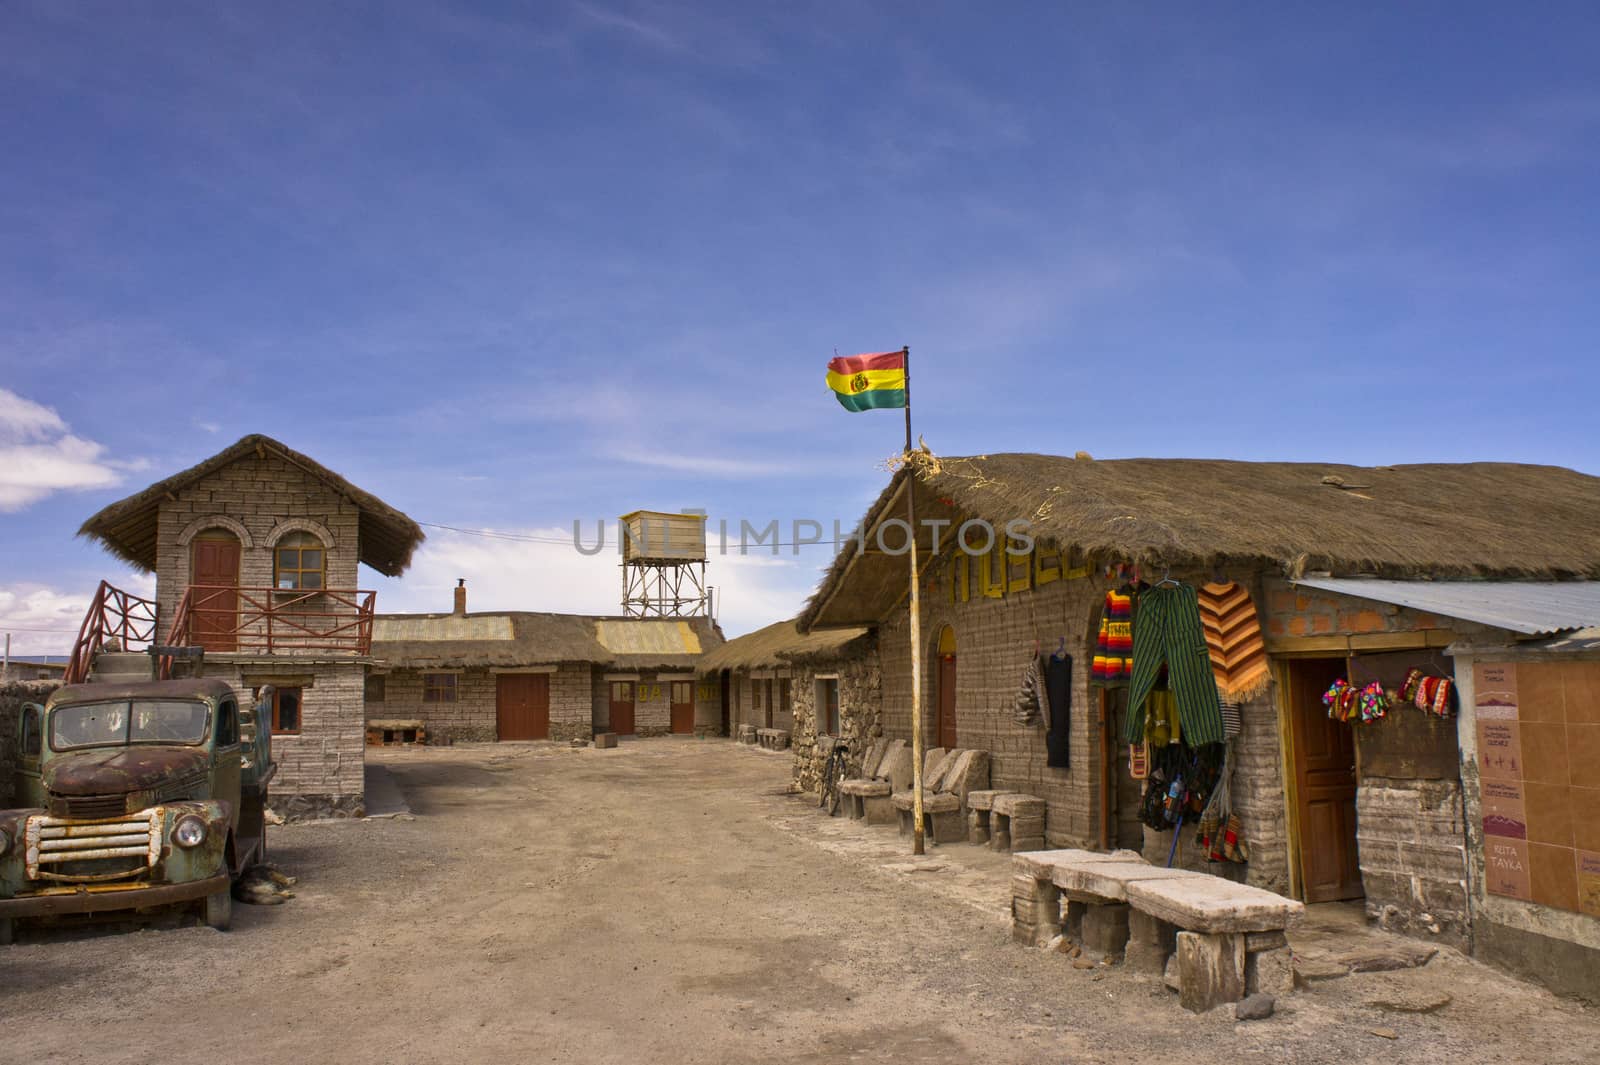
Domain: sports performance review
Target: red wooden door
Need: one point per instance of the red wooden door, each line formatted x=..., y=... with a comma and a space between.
x=683, y=707
x=622, y=707
x=1325, y=782
x=947, y=701
x=522, y=706
x=214, y=562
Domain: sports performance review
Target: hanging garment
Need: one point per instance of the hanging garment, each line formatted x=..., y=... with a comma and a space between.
x=1233, y=640
x=1058, y=709
x=1167, y=632
x=1113, y=652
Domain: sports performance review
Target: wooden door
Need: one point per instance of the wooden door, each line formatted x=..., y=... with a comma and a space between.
x=522, y=706
x=622, y=707
x=683, y=707
x=724, y=684
x=214, y=570
x=1325, y=785
x=947, y=701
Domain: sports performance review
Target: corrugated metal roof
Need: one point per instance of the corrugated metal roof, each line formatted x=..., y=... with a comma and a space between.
x=441, y=627
x=628, y=637
x=1532, y=607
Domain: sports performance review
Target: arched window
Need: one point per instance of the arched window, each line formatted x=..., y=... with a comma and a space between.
x=299, y=562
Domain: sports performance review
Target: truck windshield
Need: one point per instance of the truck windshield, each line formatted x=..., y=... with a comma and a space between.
x=119, y=723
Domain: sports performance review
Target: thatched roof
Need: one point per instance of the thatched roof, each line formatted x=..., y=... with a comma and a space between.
x=128, y=528
x=1480, y=519
x=520, y=638
x=781, y=644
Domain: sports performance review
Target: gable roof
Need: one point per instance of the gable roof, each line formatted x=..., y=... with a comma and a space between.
x=525, y=638
x=128, y=528
x=781, y=644
x=1498, y=520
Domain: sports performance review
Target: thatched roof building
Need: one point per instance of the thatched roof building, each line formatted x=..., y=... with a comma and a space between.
x=1468, y=520
x=128, y=528
x=520, y=638
x=781, y=644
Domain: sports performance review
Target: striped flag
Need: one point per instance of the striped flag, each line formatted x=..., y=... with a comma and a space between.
x=868, y=382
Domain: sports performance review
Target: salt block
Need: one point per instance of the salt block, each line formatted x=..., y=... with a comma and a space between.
x=1202, y=903
x=1210, y=970
x=1110, y=880
x=1105, y=928
x=603, y=740
x=1269, y=972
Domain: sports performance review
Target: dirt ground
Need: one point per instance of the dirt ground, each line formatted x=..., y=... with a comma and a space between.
x=665, y=902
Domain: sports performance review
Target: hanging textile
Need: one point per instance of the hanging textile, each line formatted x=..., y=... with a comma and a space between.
x=1233, y=640
x=1025, y=706
x=1167, y=632
x=1058, y=709
x=1113, y=652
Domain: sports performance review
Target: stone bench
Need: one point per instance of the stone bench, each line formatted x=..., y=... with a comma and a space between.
x=1016, y=823
x=1216, y=939
x=867, y=797
x=745, y=734
x=773, y=739
x=979, y=805
x=949, y=777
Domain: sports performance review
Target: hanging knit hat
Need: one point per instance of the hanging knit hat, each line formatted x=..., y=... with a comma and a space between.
x=1233, y=637
x=1025, y=706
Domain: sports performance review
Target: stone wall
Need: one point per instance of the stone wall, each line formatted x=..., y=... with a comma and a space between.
x=1412, y=839
x=473, y=717
x=259, y=500
x=12, y=695
x=860, y=715
x=321, y=771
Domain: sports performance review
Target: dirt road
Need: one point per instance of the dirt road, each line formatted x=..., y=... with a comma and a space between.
x=663, y=902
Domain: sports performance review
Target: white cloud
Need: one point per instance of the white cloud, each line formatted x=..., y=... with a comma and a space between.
x=40, y=455
x=703, y=465
x=44, y=621
x=552, y=575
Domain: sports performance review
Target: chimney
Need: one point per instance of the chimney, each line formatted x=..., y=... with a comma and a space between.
x=461, y=597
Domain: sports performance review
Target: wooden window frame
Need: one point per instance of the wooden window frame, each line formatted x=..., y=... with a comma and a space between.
x=633, y=691
x=299, y=541
x=300, y=710
x=435, y=688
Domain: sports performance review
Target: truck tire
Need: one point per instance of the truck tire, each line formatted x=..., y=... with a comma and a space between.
x=219, y=910
x=7, y=931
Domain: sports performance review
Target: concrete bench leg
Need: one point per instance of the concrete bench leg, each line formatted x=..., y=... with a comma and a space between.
x=1269, y=969
x=948, y=827
x=978, y=827
x=999, y=833
x=1072, y=925
x=1035, y=910
x=1105, y=928
x=879, y=810
x=1151, y=942
x=1210, y=970
x=905, y=819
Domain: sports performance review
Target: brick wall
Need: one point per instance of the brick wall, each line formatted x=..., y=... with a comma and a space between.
x=321, y=770
x=473, y=717
x=259, y=500
x=12, y=695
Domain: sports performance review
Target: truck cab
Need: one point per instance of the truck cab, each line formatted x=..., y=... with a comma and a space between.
x=135, y=795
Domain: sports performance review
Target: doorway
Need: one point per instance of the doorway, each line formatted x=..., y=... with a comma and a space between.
x=1325, y=784
x=622, y=707
x=945, y=689
x=214, y=583
x=522, y=706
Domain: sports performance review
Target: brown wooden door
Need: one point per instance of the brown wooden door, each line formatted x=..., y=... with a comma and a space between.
x=622, y=707
x=1325, y=785
x=522, y=706
x=214, y=569
x=683, y=707
x=947, y=701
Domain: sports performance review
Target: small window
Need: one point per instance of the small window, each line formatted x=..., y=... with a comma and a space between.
x=438, y=687
x=227, y=724
x=622, y=691
x=299, y=562
x=285, y=710
x=31, y=734
x=828, y=706
x=375, y=688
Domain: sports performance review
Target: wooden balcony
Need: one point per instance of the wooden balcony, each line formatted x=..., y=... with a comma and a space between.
x=276, y=621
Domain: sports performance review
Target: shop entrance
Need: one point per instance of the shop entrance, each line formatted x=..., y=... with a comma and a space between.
x=1325, y=784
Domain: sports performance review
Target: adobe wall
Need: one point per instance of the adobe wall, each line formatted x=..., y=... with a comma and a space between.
x=652, y=706
x=473, y=717
x=262, y=499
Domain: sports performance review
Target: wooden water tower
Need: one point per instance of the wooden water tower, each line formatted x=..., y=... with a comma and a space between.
x=664, y=565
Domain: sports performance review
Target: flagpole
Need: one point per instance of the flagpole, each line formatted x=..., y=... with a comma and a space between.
x=916, y=629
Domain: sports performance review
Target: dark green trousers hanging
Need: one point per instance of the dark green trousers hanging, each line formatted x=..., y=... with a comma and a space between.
x=1167, y=632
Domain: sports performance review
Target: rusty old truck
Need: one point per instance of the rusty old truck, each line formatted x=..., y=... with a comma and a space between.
x=135, y=796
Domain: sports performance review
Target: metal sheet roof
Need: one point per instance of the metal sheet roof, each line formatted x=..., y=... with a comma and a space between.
x=1532, y=607
x=629, y=637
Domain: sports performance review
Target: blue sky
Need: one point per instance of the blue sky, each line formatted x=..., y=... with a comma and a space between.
x=509, y=265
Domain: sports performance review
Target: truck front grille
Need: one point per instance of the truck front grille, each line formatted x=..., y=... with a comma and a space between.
x=87, y=807
x=86, y=851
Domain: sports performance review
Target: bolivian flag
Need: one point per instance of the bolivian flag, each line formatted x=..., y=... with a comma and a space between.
x=868, y=382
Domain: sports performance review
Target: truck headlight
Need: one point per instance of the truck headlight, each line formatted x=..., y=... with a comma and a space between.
x=190, y=831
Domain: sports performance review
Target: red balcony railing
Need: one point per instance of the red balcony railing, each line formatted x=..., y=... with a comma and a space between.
x=115, y=618
x=274, y=620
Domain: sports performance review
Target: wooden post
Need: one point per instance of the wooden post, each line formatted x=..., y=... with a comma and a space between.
x=916, y=629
